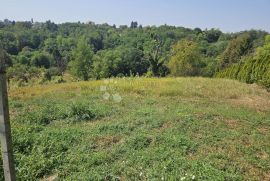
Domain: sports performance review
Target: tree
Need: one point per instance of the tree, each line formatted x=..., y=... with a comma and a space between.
x=251, y=69
x=237, y=48
x=41, y=59
x=134, y=24
x=261, y=66
x=24, y=40
x=51, y=26
x=8, y=42
x=82, y=60
x=212, y=35
x=5, y=59
x=60, y=49
x=155, y=54
x=185, y=60
x=119, y=62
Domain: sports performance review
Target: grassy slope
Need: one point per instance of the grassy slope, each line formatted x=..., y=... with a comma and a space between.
x=212, y=129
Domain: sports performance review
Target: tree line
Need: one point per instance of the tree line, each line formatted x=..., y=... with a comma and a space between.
x=44, y=50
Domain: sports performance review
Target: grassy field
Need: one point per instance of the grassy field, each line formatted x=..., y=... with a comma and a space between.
x=142, y=129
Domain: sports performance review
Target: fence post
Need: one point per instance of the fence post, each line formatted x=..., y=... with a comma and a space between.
x=5, y=131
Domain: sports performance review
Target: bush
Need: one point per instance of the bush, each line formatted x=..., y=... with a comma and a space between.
x=80, y=111
x=23, y=73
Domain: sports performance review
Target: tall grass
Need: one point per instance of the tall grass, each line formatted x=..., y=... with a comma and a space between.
x=141, y=129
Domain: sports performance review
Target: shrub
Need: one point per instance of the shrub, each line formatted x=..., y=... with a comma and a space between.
x=81, y=111
x=23, y=73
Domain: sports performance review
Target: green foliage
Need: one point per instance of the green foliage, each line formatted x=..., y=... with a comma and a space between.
x=245, y=69
x=40, y=59
x=180, y=128
x=212, y=35
x=252, y=69
x=95, y=51
x=237, y=48
x=155, y=53
x=185, y=60
x=5, y=60
x=209, y=67
x=8, y=42
x=23, y=74
x=48, y=113
x=81, y=63
x=81, y=112
x=123, y=61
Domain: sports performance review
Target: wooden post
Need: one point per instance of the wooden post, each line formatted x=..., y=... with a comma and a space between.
x=5, y=131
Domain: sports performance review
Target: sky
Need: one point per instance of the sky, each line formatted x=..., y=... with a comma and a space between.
x=226, y=15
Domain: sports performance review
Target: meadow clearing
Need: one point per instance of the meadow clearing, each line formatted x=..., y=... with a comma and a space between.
x=141, y=129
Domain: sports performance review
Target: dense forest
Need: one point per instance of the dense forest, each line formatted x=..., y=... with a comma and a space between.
x=43, y=52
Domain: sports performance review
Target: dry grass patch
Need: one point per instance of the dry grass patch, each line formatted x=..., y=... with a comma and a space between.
x=108, y=141
x=232, y=123
x=258, y=103
x=165, y=126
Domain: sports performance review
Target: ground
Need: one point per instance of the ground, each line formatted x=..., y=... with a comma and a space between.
x=142, y=129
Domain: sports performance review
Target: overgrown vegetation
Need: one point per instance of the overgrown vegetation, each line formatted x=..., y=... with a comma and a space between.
x=134, y=127
x=39, y=52
x=252, y=68
x=164, y=128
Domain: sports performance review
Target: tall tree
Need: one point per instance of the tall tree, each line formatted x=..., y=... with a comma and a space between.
x=155, y=54
x=185, y=60
x=81, y=63
x=134, y=24
x=237, y=48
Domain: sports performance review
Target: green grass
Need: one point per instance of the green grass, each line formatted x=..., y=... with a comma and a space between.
x=160, y=129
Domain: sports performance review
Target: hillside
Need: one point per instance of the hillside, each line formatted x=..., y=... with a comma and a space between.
x=142, y=129
x=45, y=50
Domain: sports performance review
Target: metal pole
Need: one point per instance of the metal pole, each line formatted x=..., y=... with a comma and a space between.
x=5, y=131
